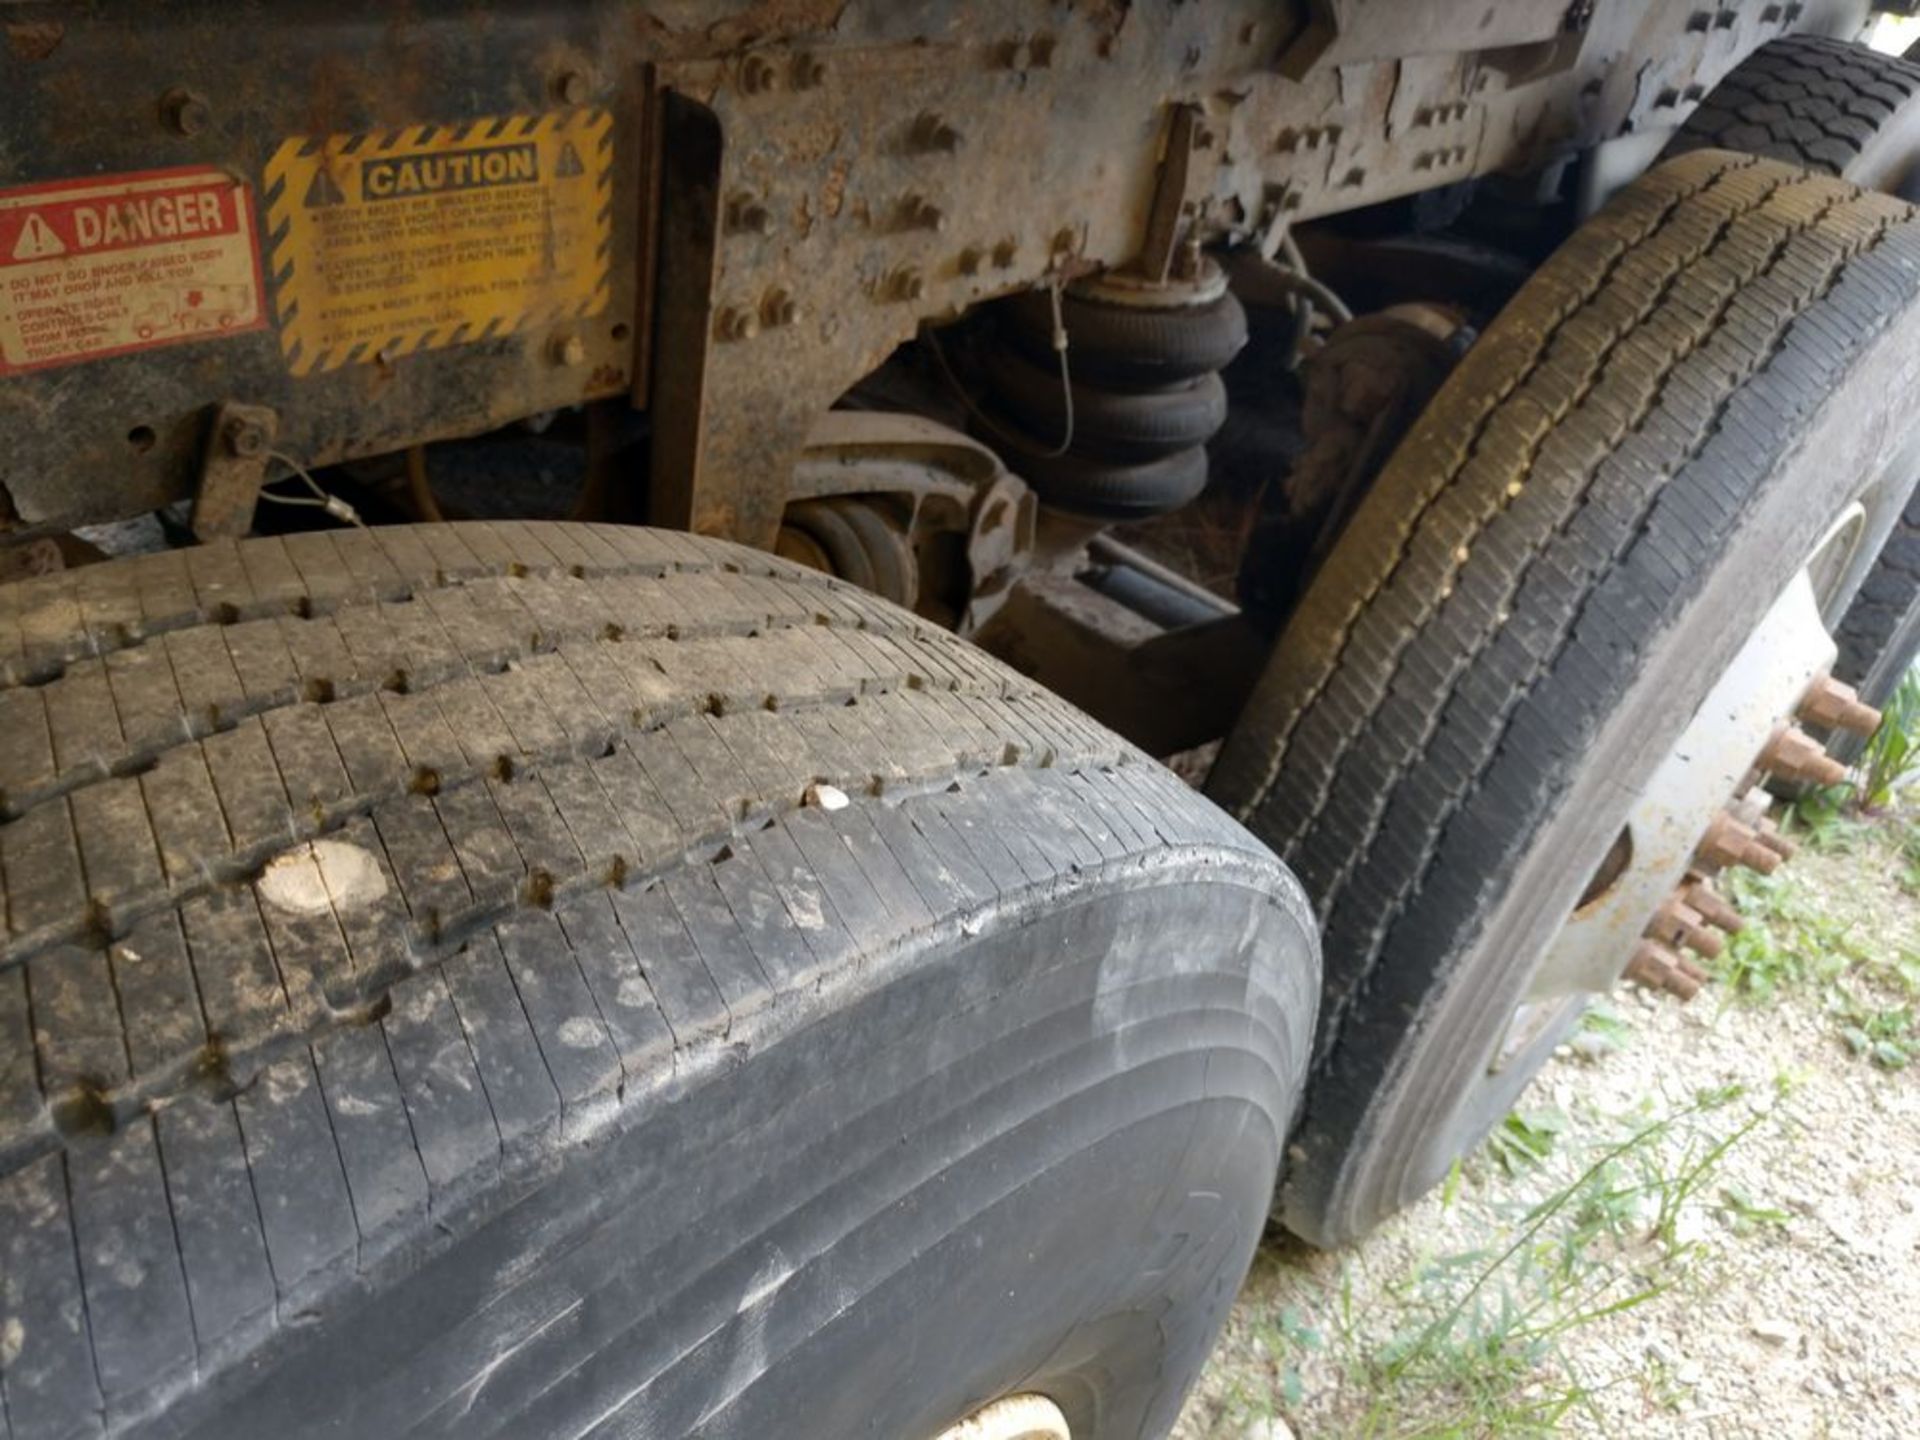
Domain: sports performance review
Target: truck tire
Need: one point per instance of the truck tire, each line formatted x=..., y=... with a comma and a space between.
x=1880, y=637
x=1832, y=106
x=1850, y=111
x=538, y=979
x=1566, y=553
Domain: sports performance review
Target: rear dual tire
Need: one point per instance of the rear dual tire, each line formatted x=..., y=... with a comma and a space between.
x=1527, y=608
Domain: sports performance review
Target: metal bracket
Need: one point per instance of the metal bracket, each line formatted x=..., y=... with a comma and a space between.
x=232, y=467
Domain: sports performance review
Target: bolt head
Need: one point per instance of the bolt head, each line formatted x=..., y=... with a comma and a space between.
x=779, y=309
x=570, y=87
x=184, y=112
x=808, y=72
x=757, y=74
x=1004, y=254
x=738, y=324
x=934, y=135
x=748, y=216
x=569, y=350
x=246, y=439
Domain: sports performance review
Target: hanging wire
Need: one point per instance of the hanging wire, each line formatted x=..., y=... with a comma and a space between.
x=320, y=500
x=1011, y=440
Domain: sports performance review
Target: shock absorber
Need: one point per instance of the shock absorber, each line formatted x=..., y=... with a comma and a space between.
x=1135, y=401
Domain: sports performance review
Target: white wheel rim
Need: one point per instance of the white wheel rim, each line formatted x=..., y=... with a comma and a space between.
x=1709, y=766
x=1018, y=1417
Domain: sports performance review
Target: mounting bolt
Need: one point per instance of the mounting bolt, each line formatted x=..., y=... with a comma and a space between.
x=932, y=135
x=919, y=213
x=244, y=438
x=1004, y=254
x=1186, y=259
x=184, y=112
x=779, y=309
x=906, y=284
x=757, y=75
x=570, y=87
x=971, y=259
x=735, y=324
x=808, y=72
x=747, y=215
x=567, y=349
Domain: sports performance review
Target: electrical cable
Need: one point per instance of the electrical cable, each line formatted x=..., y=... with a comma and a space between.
x=1007, y=437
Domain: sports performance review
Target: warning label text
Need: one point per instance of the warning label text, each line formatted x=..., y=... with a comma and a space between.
x=124, y=262
x=456, y=170
x=389, y=243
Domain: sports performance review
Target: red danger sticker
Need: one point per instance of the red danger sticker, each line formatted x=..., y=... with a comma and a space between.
x=119, y=263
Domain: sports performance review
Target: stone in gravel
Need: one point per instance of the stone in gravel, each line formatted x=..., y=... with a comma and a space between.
x=1774, y=1331
x=1271, y=1428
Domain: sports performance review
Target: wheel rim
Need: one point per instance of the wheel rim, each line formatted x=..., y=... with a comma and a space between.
x=1651, y=879
x=1018, y=1417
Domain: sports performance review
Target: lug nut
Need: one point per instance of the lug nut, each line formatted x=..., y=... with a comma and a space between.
x=1678, y=923
x=1768, y=834
x=1793, y=754
x=1838, y=707
x=1702, y=899
x=1658, y=968
x=1728, y=842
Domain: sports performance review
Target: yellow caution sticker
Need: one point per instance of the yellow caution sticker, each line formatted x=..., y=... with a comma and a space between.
x=384, y=243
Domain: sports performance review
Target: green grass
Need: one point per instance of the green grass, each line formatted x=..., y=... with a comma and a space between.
x=1893, y=754
x=1476, y=1343
x=1791, y=943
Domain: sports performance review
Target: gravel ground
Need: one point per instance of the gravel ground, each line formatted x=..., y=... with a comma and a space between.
x=1704, y=1222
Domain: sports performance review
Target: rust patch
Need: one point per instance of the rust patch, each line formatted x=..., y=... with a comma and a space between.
x=34, y=39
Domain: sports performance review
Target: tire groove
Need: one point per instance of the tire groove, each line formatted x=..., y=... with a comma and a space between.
x=1253, y=793
x=364, y=1002
x=197, y=727
x=1413, y=757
